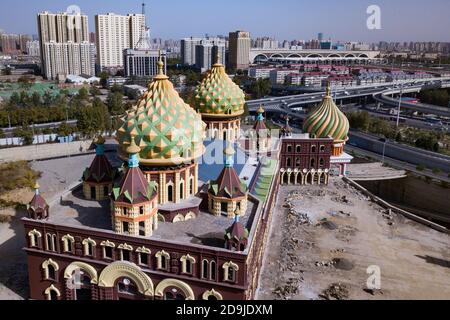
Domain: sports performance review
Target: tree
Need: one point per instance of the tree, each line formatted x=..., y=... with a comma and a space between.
x=261, y=88
x=2, y=133
x=83, y=94
x=25, y=134
x=94, y=91
x=64, y=129
x=103, y=79
x=36, y=99
x=114, y=102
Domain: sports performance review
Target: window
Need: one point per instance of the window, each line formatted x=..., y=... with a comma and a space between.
x=107, y=252
x=125, y=252
x=322, y=148
x=205, y=269
x=321, y=162
x=313, y=149
x=50, y=269
x=313, y=163
x=181, y=190
x=288, y=162
x=143, y=255
x=52, y=293
x=50, y=241
x=34, y=237
x=230, y=271
x=68, y=241
x=191, y=186
x=89, y=245
x=125, y=211
x=298, y=162
x=289, y=148
x=142, y=228
x=212, y=269
x=143, y=258
x=105, y=191
x=298, y=149
x=162, y=260
x=141, y=210
x=125, y=227
x=187, y=264
x=170, y=193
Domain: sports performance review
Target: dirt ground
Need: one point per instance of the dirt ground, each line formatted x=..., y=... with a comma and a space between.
x=323, y=239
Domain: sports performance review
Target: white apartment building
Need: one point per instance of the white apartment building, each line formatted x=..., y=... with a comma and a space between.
x=259, y=73
x=63, y=42
x=33, y=48
x=190, y=56
x=278, y=76
x=205, y=55
x=114, y=34
x=67, y=59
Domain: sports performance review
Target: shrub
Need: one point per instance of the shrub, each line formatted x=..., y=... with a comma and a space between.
x=420, y=167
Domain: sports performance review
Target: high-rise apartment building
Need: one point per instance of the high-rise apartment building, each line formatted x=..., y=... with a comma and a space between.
x=64, y=44
x=206, y=53
x=205, y=58
x=239, y=50
x=33, y=48
x=114, y=34
x=68, y=58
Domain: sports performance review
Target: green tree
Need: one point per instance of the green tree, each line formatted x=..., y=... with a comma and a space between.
x=83, y=94
x=103, y=79
x=260, y=88
x=64, y=129
x=25, y=134
x=114, y=102
x=36, y=99
x=94, y=91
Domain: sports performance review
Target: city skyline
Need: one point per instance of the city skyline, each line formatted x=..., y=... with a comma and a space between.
x=344, y=21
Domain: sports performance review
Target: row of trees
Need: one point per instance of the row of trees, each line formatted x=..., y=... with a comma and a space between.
x=438, y=97
x=424, y=139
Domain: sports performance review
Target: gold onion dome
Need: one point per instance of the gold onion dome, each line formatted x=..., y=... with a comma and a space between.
x=217, y=95
x=327, y=120
x=166, y=129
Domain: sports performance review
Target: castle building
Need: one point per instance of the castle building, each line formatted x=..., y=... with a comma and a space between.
x=170, y=134
x=134, y=206
x=98, y=178
x=228, y=193
x=327, y=121
x=286, y=130
x=221, y=104
x=236, y=236
x=38, y=207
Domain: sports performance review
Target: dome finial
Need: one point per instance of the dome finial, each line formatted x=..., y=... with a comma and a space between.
x=36, y=187
x=160, y=63
x=328, y=90
x=217, y=58
x=133, y=150
x=229, y=153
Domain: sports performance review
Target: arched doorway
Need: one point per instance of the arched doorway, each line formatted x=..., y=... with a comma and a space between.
x=173, y=289
x=126, y=289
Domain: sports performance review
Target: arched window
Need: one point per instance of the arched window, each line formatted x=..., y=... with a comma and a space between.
x=89, y=246
x=298, y=148
x=191, y=186
x=50, y=268
x=321, y=162
x=313, y=149
x=288, y=162
x=170, y=193
x=289, y=148
x=34, y=237
x=212, y=270
x=50, y=241
x=187, y=264
x=298, y=162
x=68, y=242
x=143, y=256
x=313, y=163
x=52, y=293
x=205, y=269
x=125, y=252
x=230, y=271
x=162, y=260
x=322, y=148
x=181, y=190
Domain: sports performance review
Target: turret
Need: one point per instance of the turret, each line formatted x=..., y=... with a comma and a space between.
x=38, y=207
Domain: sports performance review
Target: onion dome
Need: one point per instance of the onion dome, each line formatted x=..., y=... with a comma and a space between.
x=134, y=187
x=327, y=121
x=38, y=207
x=228, y=185
x=100, y=170
x=236, y=236
x=167, y=130
x=217, y=95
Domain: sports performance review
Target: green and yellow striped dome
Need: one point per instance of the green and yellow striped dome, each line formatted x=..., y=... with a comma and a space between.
x=327, y=121
x=167, y=130
x=218, y=96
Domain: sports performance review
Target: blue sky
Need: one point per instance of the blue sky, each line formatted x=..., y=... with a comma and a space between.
x=402, y=20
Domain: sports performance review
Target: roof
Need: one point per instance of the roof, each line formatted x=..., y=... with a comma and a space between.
x=38, y=202
x=228, y=185
x=236, y=231
x=100, y=169
x=134, y=188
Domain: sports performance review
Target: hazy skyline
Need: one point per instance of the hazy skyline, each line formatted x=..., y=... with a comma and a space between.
x=402, y=20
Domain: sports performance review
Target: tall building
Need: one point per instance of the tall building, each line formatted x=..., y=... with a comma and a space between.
x=320, y=36
x=114, y=34
x=141, y=63
x=64, y=44
x=10, y=43
x=67, y=58
x=205, y=55
x=33, y=49
x=239, y=49
x=188, y=47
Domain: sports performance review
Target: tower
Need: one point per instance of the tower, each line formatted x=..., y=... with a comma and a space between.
x=286, y=131
x=228, y=193
x=38, y=207
x=236, y=236
x=98, y=178
x=134, y=200
x=261, y=140
x=170, y=136
x=221, y=103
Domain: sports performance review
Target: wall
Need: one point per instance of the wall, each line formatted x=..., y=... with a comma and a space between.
x=433, y=198
x=44, y=151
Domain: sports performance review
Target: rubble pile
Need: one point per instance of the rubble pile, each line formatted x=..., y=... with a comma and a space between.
x=289, y=289
x=336, y=291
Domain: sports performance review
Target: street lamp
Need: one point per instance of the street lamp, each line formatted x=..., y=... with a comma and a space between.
x=384, y=140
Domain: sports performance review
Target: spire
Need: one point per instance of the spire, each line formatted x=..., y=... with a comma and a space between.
x=144, y=41
x=328, y=90
x=217, y=59
x=229, y=156
x=36, y=188
x=260, y=112
x=133, y=150
x=99, y=146
x=161, y=75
